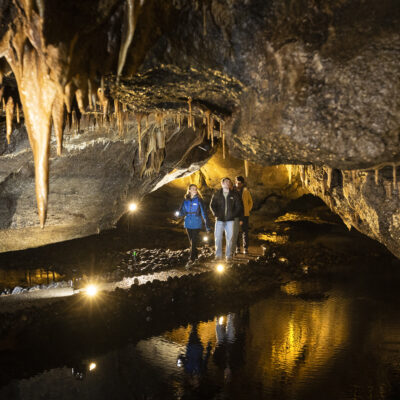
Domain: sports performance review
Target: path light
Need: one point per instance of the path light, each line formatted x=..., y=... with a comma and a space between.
x=91, y=290
x=132, y=207
x=220, y=320
x=220, y=268
x=176, y=213
x=205, y=238
x=92, y=366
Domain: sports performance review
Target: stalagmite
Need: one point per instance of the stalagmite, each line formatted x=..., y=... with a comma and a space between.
x=147, y=121
x=376, y=176
x=190, y=112
x=1, y=92
x=179, y=119
x=139, y=130
x=353, y=175
x=9, y=117
x=3, y=105
x=57, y=113
x=246, y=168
x=18, y=114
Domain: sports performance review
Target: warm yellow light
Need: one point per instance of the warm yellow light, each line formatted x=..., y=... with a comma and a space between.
x=132, y=207
x=220, y=268
x=205, y=238
x=176, y=213
x=221, y=320
x=92, y=366
x=91, y=290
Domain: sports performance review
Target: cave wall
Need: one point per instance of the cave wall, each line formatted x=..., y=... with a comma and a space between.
x=296, y=82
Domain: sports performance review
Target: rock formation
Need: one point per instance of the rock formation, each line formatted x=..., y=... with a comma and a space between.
x=276, y=82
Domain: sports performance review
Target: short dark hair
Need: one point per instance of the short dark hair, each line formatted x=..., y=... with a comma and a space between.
x=240, y=178
x=223, y=179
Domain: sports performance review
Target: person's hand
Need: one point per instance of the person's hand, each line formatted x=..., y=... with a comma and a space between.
x=241, y=223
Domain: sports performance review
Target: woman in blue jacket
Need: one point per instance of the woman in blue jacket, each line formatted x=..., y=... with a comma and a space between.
x=193, y=210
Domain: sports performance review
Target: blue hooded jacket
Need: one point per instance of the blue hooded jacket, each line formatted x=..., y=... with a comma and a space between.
x=193, y=211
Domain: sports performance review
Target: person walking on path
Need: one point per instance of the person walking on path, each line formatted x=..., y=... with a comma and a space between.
x=236, y=221
x=225, y=206
x=194, y=212
x=244, y=219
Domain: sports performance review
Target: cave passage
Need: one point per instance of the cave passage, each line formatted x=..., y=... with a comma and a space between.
x=312, y=307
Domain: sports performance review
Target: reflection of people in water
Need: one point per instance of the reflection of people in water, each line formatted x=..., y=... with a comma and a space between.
x=194, y=361
x=230, y=331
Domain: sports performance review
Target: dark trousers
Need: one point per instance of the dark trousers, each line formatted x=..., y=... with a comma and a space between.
x=244, y=232
x=193, y=235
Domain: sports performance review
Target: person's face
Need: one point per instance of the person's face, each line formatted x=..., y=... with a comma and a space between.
x=238, y=183
x=193, y=190
x=226, y=183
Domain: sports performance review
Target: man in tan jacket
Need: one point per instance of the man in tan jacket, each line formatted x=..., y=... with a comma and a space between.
x=244, y=220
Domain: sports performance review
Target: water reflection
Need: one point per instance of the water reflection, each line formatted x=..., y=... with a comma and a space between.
x=336, y=346
x=30, y=277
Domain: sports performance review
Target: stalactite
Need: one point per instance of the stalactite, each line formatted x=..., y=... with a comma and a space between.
x=246, y=168
x=223, y=144
x=207, y=115
x=90, y=97
x=9, y=117
x=67, y=97
x=353, y=175
x=74, y=123
x=18, y=114
x=57, y=113
x=376, y=176
x=179, y=119
x=160, y=139
x=220, y=129
x=1, y=92
x=147, y=121
x=289, y=169
x=204, y=20
x=79, y=100
x=127, y=35
x=394, y=177
x=3, y=105
x=329, y=178
x=190, y=112
x=139, y=130
x=212, y=130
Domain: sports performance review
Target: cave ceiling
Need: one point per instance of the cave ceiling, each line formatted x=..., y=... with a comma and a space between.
x=131, y=88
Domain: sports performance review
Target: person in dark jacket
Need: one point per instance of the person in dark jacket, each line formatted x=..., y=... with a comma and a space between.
x=193, y=210
x=226, y=206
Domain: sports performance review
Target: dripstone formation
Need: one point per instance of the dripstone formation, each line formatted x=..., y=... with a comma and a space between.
x=130, y=89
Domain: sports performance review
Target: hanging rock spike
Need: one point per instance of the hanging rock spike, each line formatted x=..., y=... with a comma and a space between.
x=67, y=97
x=394, y=176
x=79, y=100
x=9, y=117
x=127, y=39
x=329, y=180
x=246, y=168
x=376, y=176
x=139, y=130
x=289, y=168
x=18, y=114
x=57, y=113
x=190, y=112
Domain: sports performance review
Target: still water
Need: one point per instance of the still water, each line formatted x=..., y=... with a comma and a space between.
x=336, y=338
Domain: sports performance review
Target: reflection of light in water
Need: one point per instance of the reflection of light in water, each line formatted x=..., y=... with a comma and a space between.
x=291, y=288
x=92, y=366
x=297, y=338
